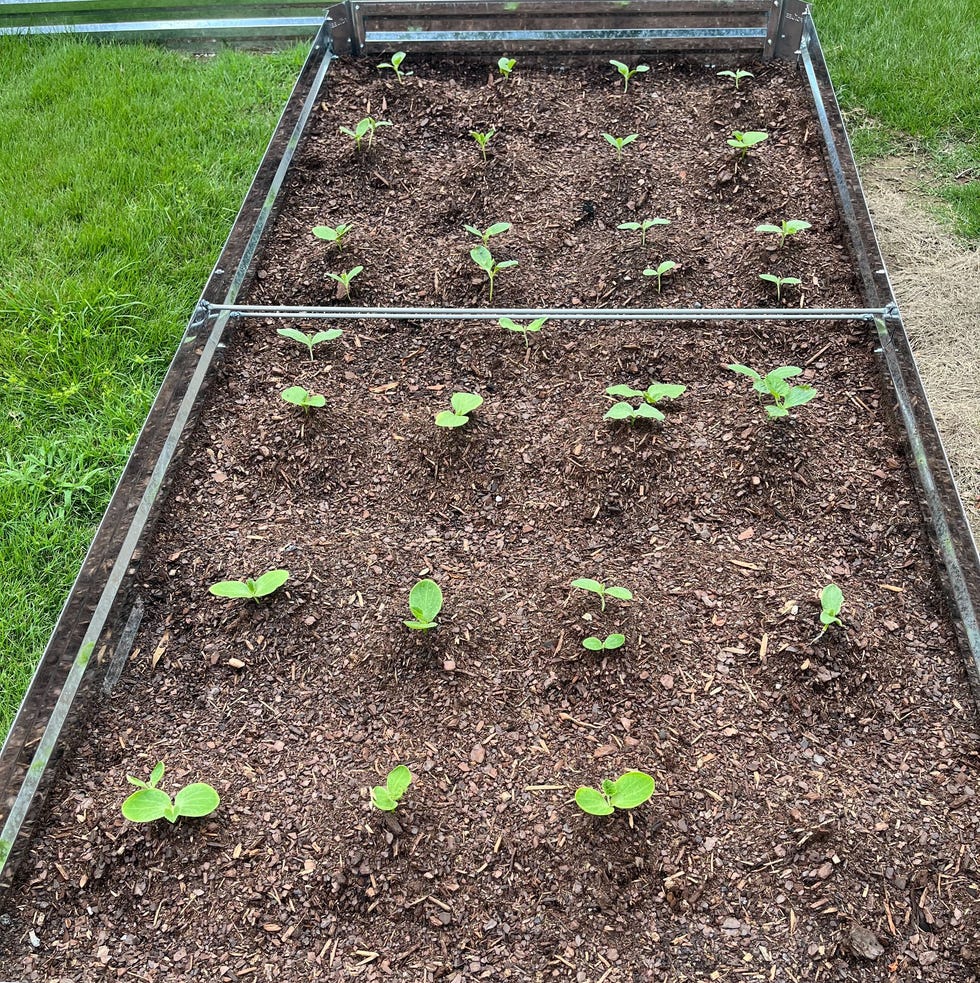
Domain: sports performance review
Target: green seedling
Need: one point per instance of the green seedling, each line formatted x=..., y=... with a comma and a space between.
x=831, y=601
x=334, y=234
x=785, y=229
x=525, y=329
x=774, y=384
x=736, y=76
x=364, y=128
x=745, y=141
x=505, y=66
x=619, y=142
x=493, y=230
x=780, y=282
x=608, y=644
x=665, y=267
x=482, y=257
x=396, y=66
x=628, y=72
x=344, y=279
x=643, y=227
x=310, y=340
x=647, y=410
x=425, y=603
x=627, y=792
x=462, y=405
x=594, y=587
x=482, y=139
x=299, y=396
x=151, y=803
x=386, y=797
x=266, y=584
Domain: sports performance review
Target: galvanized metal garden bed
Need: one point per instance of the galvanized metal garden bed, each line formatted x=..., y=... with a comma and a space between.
x=101, y=617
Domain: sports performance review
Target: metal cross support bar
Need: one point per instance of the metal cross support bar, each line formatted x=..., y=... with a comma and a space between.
x=552, y=313
x=750, y=28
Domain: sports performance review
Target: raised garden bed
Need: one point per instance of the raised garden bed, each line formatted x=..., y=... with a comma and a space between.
x=814, y=814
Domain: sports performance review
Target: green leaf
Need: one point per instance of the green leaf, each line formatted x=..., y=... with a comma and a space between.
x=497, y=228
x=507, y=264
x=620, y=593
x=450, y=420
x=270, y=581
x=666, y=266
x=425, y=601
x=799, y=395
x=230, y=588
x=795, y=225
x=626, y=141
x=592, y=643
x=294, y=335
x=380, y=799
x=399, y=779
x=778, y=386
x=614, y=642
x=785, y=372
x=629, y=226
x=592, y=802
x=156, y=776
x=419, y=625
x=618, y=65
x=623, y=390
x=633, y=789
x=196, y=800
x=620, y=411
x=482, y=257
x=832, y=599
x=329, y=335
x=645, y=411
x=587, y=583
x=777, y=411
x=793, y=281
x=465, y=403
x=135, y=781
x=745, y=370
x=663, y=390
x=146, y=806
x=775, y=229
x=769, y=278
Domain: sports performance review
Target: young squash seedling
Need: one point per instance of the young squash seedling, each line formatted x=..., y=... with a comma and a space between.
x=505, y=66
x=482, y=139
x=386, y=797
x=608, y=644
x=780, y=282
x=785, y=229
x=774, y=384
x=151, y=803
x=310, y=340
x=364, y=128
x=745, y=141
x=594, y=587
x=831, y=601
x=344, y=279
x=627, y=792
x=627, y=72
x=619, y=142
x=643, y=227
x=334, y=234
x=736, y=76
x=483, y=258
x=396, y=66
x=266, y=584
x=525, y=329
x=647, y=410
x=425, y=603
x=494, y=230
x=299, y=396
x=462, y=405
x=665, y=267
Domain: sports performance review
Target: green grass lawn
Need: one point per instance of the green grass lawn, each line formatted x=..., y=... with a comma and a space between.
x=908, y=77
x=121, y=169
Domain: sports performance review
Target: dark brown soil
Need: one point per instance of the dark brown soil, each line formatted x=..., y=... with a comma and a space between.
x=815, y=814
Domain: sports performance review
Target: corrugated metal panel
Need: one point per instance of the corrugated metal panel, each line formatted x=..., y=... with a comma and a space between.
x=254, y=23
x=754, y=27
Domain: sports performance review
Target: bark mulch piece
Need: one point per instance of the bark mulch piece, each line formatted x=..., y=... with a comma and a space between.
x=815, y=811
